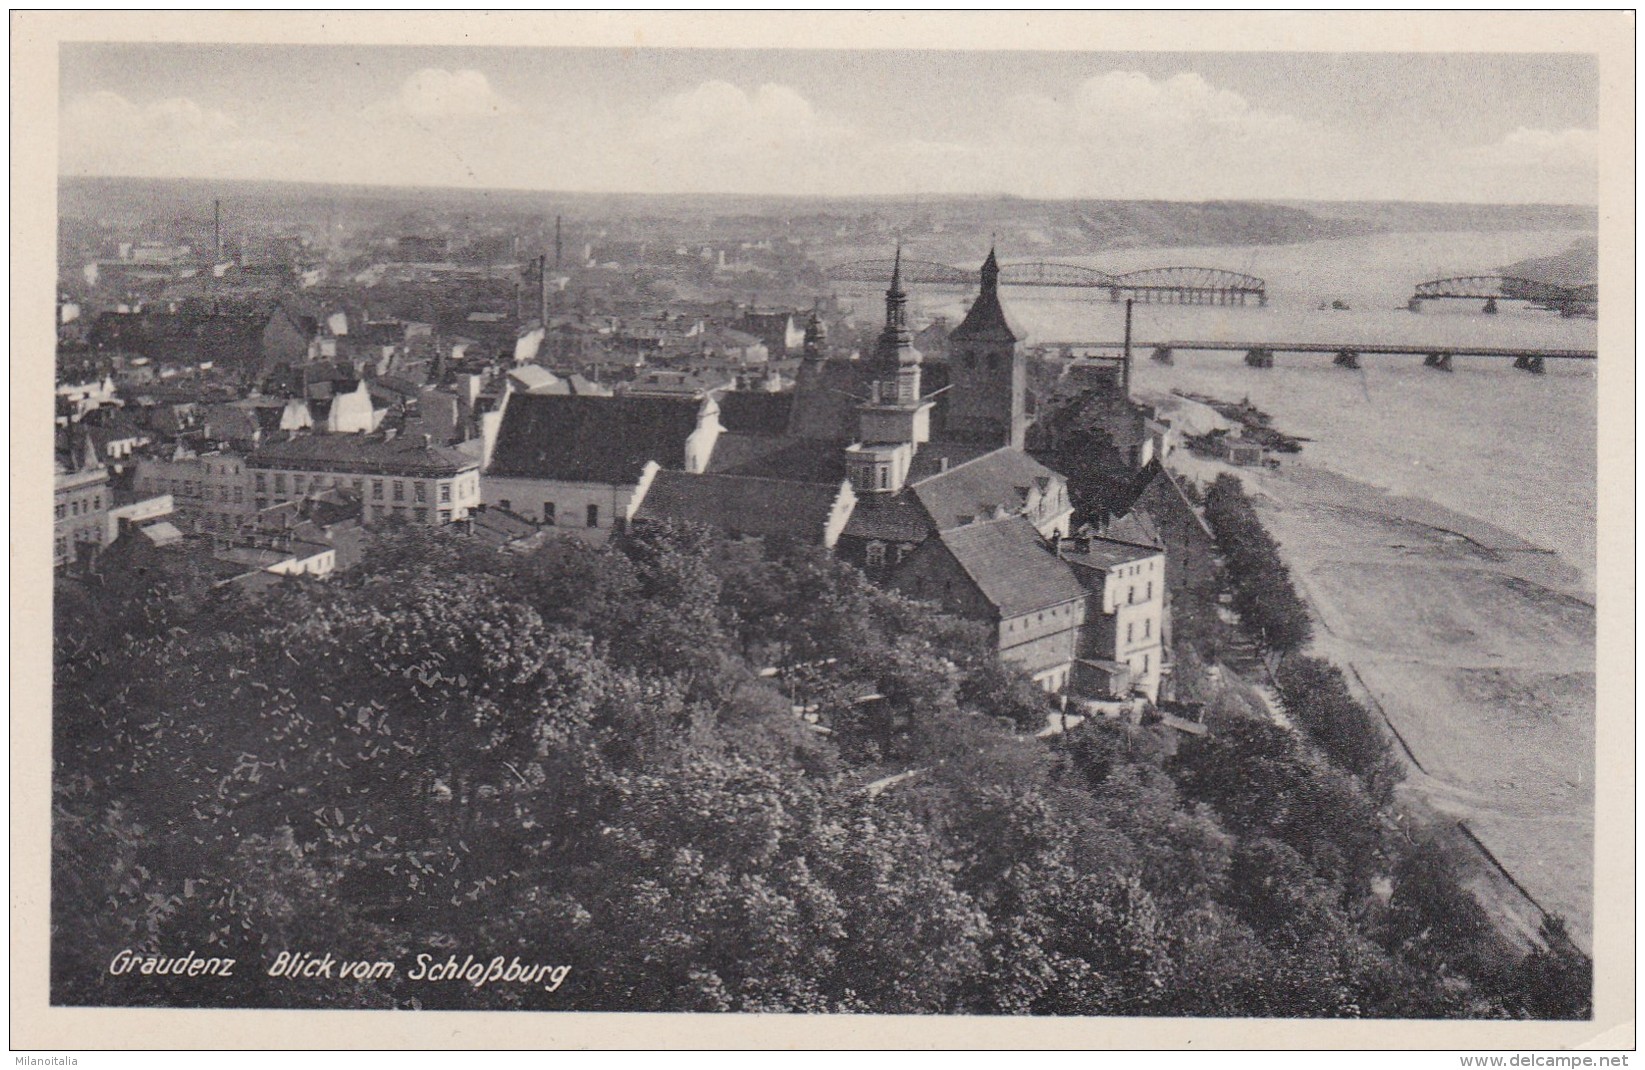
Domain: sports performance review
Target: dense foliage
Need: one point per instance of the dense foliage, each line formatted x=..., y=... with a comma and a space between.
x=1268, y=604
x=582, y=756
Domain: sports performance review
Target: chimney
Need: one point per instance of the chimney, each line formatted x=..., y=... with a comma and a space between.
x=542, y=290
x=559, y=244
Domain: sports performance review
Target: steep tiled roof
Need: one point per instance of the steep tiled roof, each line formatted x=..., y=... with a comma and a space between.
x=801, y=460
x=591, y=439
x=749, y=412
x=740, y=505
x=891, y=518
x=1012, y=566
x=359, y=453
x=998, y=479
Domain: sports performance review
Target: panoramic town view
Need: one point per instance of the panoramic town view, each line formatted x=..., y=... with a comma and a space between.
x=896, y=533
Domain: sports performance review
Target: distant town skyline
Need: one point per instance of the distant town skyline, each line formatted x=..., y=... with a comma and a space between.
x=1457, y=127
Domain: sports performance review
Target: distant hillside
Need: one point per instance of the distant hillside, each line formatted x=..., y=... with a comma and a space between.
x=944, y=228
x=1380, y=217
x=1578, y=265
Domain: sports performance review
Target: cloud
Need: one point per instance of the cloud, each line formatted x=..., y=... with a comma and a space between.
x=1130, y=101
x=728, y=116
x=1526, y=147
x=105, y=133
x=436, y=93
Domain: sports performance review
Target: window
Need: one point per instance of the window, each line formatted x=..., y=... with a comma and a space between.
x=399, y=512
x=1149, y=593
x=876, y=554
x=377, y=489
x=74, y=507
x=97, y=501
x=445, y=516
x=421, y=514
x=279, y=482
x=262, y=483
x=1128, y=629
x=359, y=486
x=297, y=484
x=376, y=512
x=1145, y=664
x=1147, y=627
x=419, y=491
x=262, y=503
x=1131, y=594
x=445, y=492
x=62, y=510
x=239, y=495
x=399, y=490
x=548, y=513
x=903, y=551
x=594, y=516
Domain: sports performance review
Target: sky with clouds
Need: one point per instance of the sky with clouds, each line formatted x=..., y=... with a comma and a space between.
x=1437, y=127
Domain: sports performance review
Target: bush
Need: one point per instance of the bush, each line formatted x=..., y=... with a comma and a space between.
x=1315, y=694
x=1265, y=598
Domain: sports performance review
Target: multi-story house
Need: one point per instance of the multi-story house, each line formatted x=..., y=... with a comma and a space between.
x=1123, y=646
x=208, y=490
x=394, y=477
x=81, y=499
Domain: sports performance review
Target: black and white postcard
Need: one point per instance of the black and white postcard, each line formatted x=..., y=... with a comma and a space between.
x=1067, y=529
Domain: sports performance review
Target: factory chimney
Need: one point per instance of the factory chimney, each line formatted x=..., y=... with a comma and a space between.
x=542, y=291
x=559, y=247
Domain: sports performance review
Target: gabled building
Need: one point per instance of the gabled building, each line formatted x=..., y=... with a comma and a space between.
x=583, y=463
x=1001, y=572
x=81, y=498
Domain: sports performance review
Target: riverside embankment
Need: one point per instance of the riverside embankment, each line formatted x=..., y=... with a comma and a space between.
x=1477, y=648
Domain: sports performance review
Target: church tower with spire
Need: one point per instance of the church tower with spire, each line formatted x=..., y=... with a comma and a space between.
x=895, y=418
x=987, y=404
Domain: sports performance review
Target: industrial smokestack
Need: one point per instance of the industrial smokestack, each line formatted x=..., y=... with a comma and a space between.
x=542, y=291
x=1125, y=365
x=216, y=233
x=559, y=247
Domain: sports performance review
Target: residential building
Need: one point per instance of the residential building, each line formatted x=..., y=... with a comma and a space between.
x=1124, y=638
x=584, y=463
x=1002, y=572
x=208, y=489
x=395, y=477
x=81, y=498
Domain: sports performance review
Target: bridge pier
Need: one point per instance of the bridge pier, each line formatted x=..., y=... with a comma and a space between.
x=1414, y=305
x=1438, y=361
x=1162, y=355
x=1346, y=358
x=1490, y=306
x=1529, y=363
x=1260, y=358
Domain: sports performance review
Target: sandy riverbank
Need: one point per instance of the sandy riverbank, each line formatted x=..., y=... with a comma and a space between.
x=1479, y=649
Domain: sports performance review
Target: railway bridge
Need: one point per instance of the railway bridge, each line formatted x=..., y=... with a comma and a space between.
x=1167, y=285
x=1566, y=300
